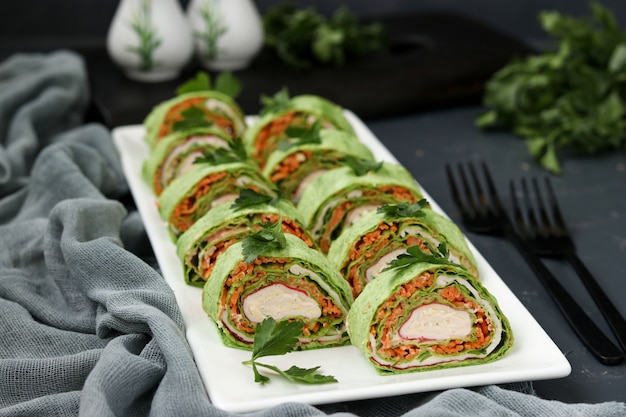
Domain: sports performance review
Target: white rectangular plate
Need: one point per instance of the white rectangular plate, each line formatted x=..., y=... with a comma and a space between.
x=231, y=385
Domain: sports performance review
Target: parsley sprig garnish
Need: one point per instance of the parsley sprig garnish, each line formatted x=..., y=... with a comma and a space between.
x=278, y=102
x=301, y=135
x=361, y=166
x=270, y=237
x=272, y=338
x=249, y=198
x=404, y=209
x=193, y=117
x=236, y=152
x=415, y=254
x=225, y=83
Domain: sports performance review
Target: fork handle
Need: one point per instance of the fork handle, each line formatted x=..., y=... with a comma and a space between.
x=593, y=338
x=607, y=308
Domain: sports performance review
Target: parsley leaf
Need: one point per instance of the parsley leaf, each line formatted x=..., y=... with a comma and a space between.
x=278, y=102
x=193, y=117
x=404, y=209
x=362, y=166
x=271, y=236
x=201, y=82
x=249, y=198
x=415, y=254
x=228, y=84
x=236, y=152
x=225, y=83
x=301, y=135
x=273, y=338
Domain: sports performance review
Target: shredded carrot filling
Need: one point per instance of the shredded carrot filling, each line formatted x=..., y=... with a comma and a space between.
x=254, y=274
x=368, y=247
x=339, y=212
x=289, y=165
x=288, y=225
x=269, y=133
x=181, y=217
x=451, y=294
x=174, y=115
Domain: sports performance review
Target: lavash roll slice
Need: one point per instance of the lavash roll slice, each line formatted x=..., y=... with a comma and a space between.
x=293, y=166
x=290, y=283
x=338, y=198
x=176, y=153
x=208, y=238
x=427, y=316
x=368, y=246
x=263, y=136
x=190, y=196
x=206, y=108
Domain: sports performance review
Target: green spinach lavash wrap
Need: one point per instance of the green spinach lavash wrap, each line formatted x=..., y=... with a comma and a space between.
x=367, y=247
x=294, y=282
x=176, y=153
x=263, y=136
x=209, y=237
x=293, y=166
x=206, y=185
x=338, y=198
x=207, y=108
x=427, y=316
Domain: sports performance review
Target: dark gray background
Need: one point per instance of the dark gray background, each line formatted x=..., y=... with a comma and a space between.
x=86, y=21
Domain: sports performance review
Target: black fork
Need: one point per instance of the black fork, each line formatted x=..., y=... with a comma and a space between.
x=547, y=234
x=484, y=213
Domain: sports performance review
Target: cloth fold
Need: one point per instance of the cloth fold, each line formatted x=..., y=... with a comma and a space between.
x=89, y=327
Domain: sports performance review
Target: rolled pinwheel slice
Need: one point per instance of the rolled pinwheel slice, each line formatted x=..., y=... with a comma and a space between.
x=427, y=316
x=205, y=186
x=209, y=237
x=191, y=110
x=294, y=165
x=293, y=282
x=263, y=136
x=338, y=198
x=176, y=153
x=368, y=246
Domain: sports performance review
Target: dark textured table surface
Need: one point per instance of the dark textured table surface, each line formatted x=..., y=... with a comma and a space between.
x=592, y=195
x=426, y=124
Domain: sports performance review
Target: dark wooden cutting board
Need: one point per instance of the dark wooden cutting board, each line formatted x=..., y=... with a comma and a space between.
x=435, y=60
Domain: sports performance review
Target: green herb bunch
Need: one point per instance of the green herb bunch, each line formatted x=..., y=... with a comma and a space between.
x=570, y=100
x=304, y=38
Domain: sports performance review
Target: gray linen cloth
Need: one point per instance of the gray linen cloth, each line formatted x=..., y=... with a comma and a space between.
x=87, y=325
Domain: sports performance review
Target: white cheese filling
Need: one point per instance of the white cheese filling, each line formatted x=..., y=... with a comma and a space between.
x=188, y=160
x=279, y=302
x=384, y=261
x=213, y=104
x=305, y=183
x=436, y=322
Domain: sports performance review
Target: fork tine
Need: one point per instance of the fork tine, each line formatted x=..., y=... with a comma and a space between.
x=456, y=194
x=530, y=213
x=543, y=213
x=479, y=191
x=493, y=193
x=556, y=211
x=522, y=229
